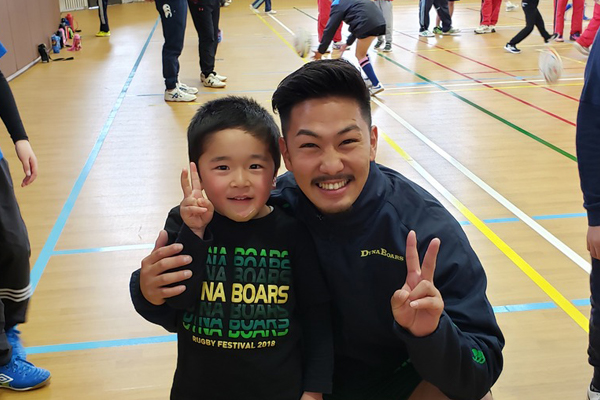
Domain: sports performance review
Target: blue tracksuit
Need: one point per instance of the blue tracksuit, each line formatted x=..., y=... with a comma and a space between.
x=588, y=154
x=362, y=253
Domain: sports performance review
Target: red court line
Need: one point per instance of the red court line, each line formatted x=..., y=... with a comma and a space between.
x=493, y=68
x=512, y=70
x=488, y=86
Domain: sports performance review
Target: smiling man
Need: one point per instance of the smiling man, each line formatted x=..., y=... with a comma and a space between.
x=410, y=321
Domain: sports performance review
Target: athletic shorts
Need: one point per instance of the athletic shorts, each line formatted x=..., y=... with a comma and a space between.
x=380, y=30
x=398, y=385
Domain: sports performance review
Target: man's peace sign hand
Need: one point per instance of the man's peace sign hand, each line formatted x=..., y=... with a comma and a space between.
x=418, y=306
x=196, y=210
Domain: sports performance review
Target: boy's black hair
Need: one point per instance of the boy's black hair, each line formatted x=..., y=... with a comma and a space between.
x=233, y=112
x=320, y=79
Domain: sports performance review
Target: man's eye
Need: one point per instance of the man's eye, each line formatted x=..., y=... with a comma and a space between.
x=307, y=145
x=348, y=141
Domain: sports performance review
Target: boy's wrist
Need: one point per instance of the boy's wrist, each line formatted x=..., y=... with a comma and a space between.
x=199, y=232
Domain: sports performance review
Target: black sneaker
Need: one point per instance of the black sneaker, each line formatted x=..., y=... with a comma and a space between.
x=387, y=48
x=552, y=37
x=379, y=43
x=511, y=48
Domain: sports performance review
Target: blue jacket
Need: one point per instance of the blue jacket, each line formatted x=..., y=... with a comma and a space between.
x=362, y=256
x=588, y=138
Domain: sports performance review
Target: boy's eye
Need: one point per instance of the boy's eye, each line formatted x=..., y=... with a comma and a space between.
x=349, y=141
x=307, y=145
x=222, y=167
x=256, y=166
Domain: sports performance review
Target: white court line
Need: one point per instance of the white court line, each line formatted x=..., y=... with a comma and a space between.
x=553, y=240
x=284, y=27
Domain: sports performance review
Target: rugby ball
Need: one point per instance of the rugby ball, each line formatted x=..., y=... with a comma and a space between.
x=302, y=42
x=550, y=65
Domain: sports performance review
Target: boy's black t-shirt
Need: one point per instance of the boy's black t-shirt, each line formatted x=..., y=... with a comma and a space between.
x=240, y=337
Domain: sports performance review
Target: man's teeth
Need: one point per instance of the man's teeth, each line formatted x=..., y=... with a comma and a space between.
x=333, y=186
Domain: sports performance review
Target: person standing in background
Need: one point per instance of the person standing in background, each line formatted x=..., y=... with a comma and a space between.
x=588, y=155
x=16, y=373
x=387, y=9
x=103, y=15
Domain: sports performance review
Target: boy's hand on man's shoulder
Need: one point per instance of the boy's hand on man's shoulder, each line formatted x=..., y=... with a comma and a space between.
x=195, y=209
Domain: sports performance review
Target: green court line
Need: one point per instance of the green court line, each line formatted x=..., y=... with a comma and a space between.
x=469, y=102
x=488, y=112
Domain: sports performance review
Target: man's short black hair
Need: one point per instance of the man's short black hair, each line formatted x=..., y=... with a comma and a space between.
x=321, y=79
x=233, y=112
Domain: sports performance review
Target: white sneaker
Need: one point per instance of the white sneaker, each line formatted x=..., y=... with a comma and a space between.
x=376, y=89
x=255, y=10
x=227, y=3
x=583, y=50
x=272, y=12
x=426, y=34
x=212, y=81
x=219, y=77
x=592, y=394
x=510, y=6
x=178, y=95
x=483, y=29
x=187, y=89
x=452, y=31
x=492, y=28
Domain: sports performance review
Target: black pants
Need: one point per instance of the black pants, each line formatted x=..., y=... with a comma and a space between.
x=441, y=6
x=206, y=14
x=532, y=18
x=5, y=349
x=173, y=16
x=14, y=262
x=594, y=343
x=103, y=15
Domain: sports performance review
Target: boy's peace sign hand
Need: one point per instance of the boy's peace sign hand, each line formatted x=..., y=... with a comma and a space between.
x=418, y=306
x=196, y=210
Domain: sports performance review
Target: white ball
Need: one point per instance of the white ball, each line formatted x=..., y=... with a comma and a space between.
x=550, y=65
x=302, y=42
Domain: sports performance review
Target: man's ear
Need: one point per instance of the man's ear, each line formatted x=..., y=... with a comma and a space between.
x=373, y=142
x=285, y=153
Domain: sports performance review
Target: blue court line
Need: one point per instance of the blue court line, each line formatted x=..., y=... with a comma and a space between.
x=536, y=306
x=47, y=250
x=104, y=249
x=538, y=217
x=101, y=344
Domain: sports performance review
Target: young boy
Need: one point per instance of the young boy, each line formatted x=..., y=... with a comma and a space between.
x=365, y=23
x=255, y=290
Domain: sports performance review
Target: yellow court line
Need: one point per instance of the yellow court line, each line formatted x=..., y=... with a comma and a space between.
x=479, y=89
x=538, y=279
x=288, y=44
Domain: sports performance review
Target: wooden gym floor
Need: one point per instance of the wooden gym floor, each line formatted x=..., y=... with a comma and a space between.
x=473, y=124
